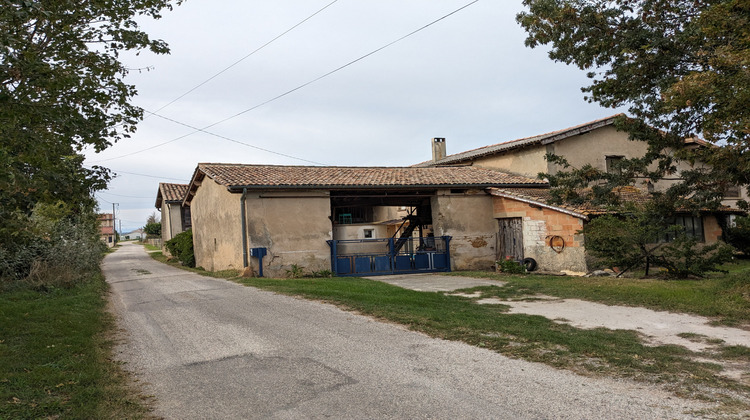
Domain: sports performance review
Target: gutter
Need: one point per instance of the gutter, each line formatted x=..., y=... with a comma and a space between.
x=244, y=228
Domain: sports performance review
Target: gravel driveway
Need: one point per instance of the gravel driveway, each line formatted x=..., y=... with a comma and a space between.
x=208, y=348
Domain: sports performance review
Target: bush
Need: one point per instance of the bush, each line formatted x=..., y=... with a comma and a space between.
x=511, y=266
x=637, y=240
x=59, y=250
x=739, y=235
x=181, y=247
x=153, y=229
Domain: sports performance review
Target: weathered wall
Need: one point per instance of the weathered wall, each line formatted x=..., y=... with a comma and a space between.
x=589, y=148
x=711, y=229
x=539, y=226
x=171, y=221
x=357, y=231
x=293, y=226
x=528, y=162
x=217, y=235
x=468, y=219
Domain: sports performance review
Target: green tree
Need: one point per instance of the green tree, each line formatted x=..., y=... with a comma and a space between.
x=61, y=93
x=680, y=66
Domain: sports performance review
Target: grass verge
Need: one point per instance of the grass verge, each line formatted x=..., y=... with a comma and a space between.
x=725, y=298
x=55, y=356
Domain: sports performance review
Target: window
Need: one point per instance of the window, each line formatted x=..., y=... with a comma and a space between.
x=732, y=191
x=368, y=233
x=613, y=164
x=693, y=227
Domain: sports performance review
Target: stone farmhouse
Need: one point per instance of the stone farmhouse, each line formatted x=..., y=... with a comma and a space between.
x=461, y=211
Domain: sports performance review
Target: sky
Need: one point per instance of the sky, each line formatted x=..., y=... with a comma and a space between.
x=331, y=82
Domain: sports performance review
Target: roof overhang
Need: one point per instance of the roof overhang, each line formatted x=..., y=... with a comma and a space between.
x=538, y=203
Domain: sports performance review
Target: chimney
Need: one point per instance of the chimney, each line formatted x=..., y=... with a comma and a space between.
x=438, y=148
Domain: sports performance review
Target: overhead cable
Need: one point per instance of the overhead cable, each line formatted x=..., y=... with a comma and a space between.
x=203, y=130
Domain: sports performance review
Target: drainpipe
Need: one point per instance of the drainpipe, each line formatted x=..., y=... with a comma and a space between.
x=244, y=228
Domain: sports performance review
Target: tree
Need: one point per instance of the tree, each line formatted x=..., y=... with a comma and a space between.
x=682, y=68
x=61, y=92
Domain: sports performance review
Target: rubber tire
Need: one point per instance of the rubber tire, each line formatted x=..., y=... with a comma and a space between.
x=529, y=263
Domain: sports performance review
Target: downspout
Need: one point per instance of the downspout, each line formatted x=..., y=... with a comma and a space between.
x=244, y=228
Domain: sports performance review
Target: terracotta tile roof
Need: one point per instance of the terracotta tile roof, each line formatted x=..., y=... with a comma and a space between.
x=328, y=176
x=518, y=143
x=237, y=176
x=542, y=197
x=170, y=193
x=106, y=230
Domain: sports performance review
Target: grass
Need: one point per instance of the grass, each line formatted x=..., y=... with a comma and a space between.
x=55, y=356
x=726, y=298
x=151, y=248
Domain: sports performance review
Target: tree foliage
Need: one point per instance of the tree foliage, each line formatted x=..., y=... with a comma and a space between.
x=61, y=93
x=639, y=240
x=153, y=229
x=682, y=67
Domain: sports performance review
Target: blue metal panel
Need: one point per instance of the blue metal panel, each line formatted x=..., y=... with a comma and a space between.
x=343, y=265
x=403, y=263
x=383, y=263
x=440, y=261
x=421, y=261
x=362, y=265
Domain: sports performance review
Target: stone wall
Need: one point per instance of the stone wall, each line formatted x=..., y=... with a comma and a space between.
x=542, y=225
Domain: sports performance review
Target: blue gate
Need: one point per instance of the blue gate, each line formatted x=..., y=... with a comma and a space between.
x=369, y=257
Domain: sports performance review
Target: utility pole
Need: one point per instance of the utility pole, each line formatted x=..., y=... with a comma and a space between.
x=114, y=223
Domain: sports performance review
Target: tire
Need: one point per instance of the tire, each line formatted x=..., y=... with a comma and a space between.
x=529, y=263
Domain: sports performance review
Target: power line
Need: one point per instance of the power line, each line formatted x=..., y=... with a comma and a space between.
x=146, y=175
x=203, y=130
x=120, y=195
x=247, y=56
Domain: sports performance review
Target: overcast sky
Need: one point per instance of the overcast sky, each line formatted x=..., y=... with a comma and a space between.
x=468, y=78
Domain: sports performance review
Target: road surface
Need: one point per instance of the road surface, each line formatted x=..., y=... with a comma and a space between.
x=212, y=349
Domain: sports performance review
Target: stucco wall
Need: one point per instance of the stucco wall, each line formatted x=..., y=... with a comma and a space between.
x=171, y=221
x=294, y=227
x=357, y=231
x=539, y=226
x=528, y=162
x=468, y=219
x=217, y=235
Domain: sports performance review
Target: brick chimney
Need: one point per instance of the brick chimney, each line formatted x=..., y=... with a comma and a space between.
x=438, y=148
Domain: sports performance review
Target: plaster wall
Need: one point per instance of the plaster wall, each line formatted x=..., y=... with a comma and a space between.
x=527, y=162
x=217, y=235
x=357, y=231
x=539, y=226
x=294, y=227
x=171, y=221
x=468, y=218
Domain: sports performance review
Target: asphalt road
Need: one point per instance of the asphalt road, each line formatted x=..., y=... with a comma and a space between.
x=208, y=348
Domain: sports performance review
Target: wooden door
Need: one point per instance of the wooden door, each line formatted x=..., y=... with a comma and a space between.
x=510, y=238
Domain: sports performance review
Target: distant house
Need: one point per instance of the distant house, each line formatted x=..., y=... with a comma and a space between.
x=175, y=218
x=136, y=234
x=107, y=228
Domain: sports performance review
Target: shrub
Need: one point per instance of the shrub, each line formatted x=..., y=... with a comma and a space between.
x=739, y=235
x=181, y=246
x=511, y=266
x=59, y=250
x=636, y=240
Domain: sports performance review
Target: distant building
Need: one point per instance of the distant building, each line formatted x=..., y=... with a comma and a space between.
x=136, y=234
x=107, y=228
